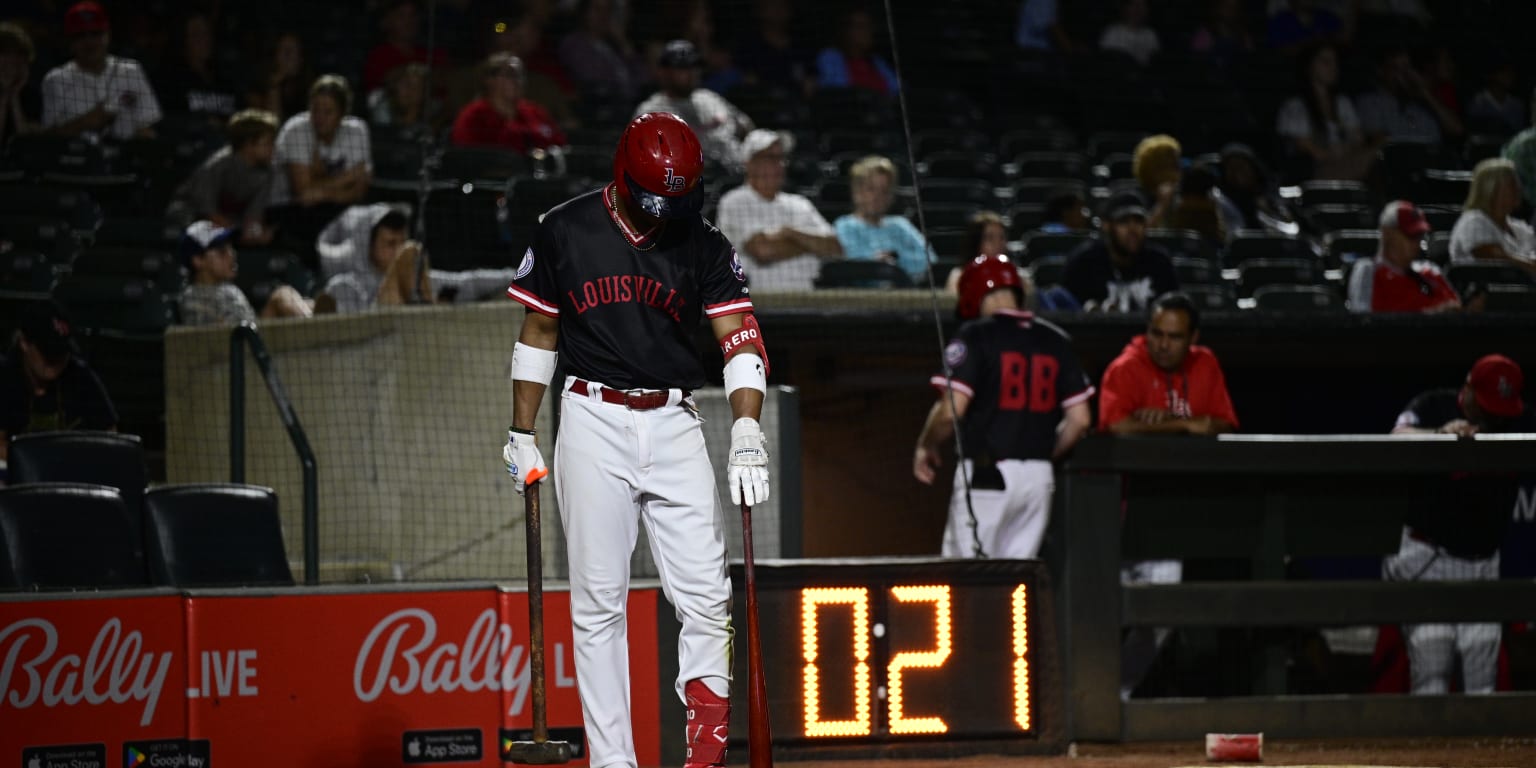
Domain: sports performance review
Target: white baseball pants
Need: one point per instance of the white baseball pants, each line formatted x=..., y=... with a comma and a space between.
x=1434, y=648
x=614, y=469
x=1010, y=523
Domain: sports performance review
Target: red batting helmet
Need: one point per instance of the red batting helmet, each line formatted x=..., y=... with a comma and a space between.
x=983, y=275
x=659, y=163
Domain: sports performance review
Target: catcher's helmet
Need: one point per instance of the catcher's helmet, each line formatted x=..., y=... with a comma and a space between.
x=981, y=276
x=658, y=164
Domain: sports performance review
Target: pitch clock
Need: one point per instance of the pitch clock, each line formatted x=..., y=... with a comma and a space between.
x=886, y=651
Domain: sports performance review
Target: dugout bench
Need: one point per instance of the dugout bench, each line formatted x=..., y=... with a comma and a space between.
x=1268, y=499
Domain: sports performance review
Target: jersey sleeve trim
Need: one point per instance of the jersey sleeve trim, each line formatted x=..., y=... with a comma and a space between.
x=938, y=382
x=532, y=302
x=1079, y=397
x=732, y=307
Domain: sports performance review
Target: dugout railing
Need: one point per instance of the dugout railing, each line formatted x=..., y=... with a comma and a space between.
x=1268, y=499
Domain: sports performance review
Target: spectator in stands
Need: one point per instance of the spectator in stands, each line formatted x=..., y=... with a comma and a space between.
x=545, y=81
x=598, y=56
x=1437, y=67
x=1249, y=194
x=399, y=28
x=1521, y=150
x=386, y=277
x=870, y=233
x=282, y=83
x=719, y=71
x=368, y=258
x=44, y=385
x=211, y=296
x=719, y=125
x=1119, y=272
x=1487, y=230
x=501, y=117
x=781, y=234
x=1157, y=165
x=1130, y=33
x=97, y=94
x=1393, y=282
x=403, y=102
x=1320, y=127
x=1460, y=541
x=231, y=188
x=1163, y=381
x=770, y=55
x=191, y=82
x=1066, y=211
x=323, y=161
x=1039, y=27
x=1302, y=24
x=1200, y=206
x=19, y=105
x=1224, y=36
x=985, y=235
x=1496, y=109
x=1403, y=107
x=853, y=63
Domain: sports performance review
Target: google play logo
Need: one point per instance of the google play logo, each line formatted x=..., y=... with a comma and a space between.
x=136, y=758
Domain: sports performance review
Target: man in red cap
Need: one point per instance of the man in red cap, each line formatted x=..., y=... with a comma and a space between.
x=1392, y=282
x=1460, y=541
x=97, y=94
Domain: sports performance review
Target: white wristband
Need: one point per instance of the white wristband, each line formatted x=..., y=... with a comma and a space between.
x=744, y=370
x=532, y=364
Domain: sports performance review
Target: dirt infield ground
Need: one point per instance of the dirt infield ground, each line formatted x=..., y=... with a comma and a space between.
x=1451, y=753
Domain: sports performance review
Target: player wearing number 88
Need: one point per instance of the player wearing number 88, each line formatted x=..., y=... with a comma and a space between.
x=618, y=279
x=1013, y=383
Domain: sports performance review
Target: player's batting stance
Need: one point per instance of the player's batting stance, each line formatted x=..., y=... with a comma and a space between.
x=1021, y=400
x=617, y=280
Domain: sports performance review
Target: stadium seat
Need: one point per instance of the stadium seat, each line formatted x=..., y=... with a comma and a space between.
x=1297, y=298
x=1442, y=187
x=1195, y=271
x=970, y=165
x=1333, y=217
x=956, y=190
x=66, y=536
x=73, y=207
x=1048, y=270
x=263, y=269
x=1041, y=245
x=1117, y=166
x=38, y=153
x=1470, y=277
x=1481, y=146
x=109, y=301
x=1051, y=165
x=1041, y=190
x=1210, y=298
x=592, y=163
x=1334, y=192
x=1347, y=245
x=138, y=232
x=1016, y=142
x=120, y=193
x=112, y=459
x=948, y=242
x=1260, y=244
x=1438, y=248
x=1102, y=144
x=1024, y=218
x=462, y=222
x=861, y=274
x=27, y=271
x=157, y=266
x=926, y=144
x=476, y=163
x=1501, y=297
x=1441, y=218
x=938, y=215
x=46, y=233
x=1185, y=243
x=528, y=198
x=1257, y=273
x=215, y=535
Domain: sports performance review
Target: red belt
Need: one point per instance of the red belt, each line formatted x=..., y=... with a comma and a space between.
x=635, y=400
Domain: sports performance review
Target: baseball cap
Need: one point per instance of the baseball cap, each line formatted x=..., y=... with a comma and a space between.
x=47, y=328
x=1404, y=217
x=85, y=17
x=199, y=236
x=1124, y=204
x=680, y=54
x=1496, y=382
x=761, y=139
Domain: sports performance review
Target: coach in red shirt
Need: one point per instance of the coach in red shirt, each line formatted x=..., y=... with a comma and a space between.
x=1164, y=382
x=501, y=117
x=1392, y=282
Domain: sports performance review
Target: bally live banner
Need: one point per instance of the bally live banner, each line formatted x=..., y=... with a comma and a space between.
x=293, y=677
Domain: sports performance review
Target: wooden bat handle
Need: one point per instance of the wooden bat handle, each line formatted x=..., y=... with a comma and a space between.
x=759, y=734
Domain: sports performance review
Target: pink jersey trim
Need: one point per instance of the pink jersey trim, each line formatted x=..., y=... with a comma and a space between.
x=636, y=239
x=1079, y=397
x=960, y=386
x=532, y=302
x=732, y=307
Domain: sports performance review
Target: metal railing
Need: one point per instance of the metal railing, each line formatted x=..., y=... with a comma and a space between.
x=246, y=335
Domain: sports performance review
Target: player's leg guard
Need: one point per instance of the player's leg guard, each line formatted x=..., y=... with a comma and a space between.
x=709, y=725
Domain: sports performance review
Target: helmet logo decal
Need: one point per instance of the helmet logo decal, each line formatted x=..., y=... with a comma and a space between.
x=674, y=182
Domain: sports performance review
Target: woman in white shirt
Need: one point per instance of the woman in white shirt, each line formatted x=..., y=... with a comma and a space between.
x=1486, y=232
x=1320, y=123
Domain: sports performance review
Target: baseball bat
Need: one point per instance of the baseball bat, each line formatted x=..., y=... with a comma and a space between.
x=759, y=734
x=540, y=751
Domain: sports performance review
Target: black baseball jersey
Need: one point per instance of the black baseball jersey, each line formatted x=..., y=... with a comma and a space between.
x=1020, y=373
x=1472, y=512
x=628, y=302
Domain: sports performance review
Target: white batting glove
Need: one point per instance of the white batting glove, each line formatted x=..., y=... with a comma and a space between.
x=747, y=467
x=524, y=462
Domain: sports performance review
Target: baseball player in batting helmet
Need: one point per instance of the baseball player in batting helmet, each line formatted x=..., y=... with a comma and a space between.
x=617, y=280
x=1013, y=386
